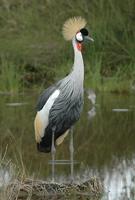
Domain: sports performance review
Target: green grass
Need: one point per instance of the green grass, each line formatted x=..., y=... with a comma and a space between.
x=10, y=77
x=121, y=81
x=31, y=38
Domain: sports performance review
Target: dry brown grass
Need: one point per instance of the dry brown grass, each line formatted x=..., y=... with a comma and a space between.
x=38, y=189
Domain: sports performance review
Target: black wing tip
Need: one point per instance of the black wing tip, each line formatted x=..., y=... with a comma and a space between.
x=43, y=149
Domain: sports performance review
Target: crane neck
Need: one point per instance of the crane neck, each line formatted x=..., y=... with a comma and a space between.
x=78, y=66
x=73, y=82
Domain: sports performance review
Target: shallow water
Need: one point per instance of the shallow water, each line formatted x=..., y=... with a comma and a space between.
x=104, y=141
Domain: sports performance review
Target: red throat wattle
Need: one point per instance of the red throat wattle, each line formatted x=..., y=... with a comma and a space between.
x=79, y=46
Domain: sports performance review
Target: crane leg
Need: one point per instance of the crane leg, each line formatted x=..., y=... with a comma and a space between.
x=53, y=151
x=71, y=149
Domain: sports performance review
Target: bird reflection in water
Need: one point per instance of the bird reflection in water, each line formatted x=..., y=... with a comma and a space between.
x=92, y=97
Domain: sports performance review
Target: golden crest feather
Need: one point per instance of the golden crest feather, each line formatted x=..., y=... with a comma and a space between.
x=72, y=26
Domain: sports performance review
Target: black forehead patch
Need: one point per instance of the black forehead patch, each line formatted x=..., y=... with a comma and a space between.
x=84, y=31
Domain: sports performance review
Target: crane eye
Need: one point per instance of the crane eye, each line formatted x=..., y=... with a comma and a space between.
x=79, y=37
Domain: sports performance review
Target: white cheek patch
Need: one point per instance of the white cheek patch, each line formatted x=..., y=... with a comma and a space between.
x=79, y=37
x=44, y=113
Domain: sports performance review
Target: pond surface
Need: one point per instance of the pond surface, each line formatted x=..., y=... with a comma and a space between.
x=104, y=141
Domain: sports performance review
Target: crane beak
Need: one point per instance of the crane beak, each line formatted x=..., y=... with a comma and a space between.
x=89, y=38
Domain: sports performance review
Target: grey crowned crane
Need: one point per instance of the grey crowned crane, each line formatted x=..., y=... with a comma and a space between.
x=59, y=106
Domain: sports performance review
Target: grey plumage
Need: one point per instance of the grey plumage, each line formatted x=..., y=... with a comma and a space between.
x=65, y=111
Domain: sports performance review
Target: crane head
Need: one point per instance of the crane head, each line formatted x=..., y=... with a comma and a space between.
x=82, y=36
x=75, y=28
